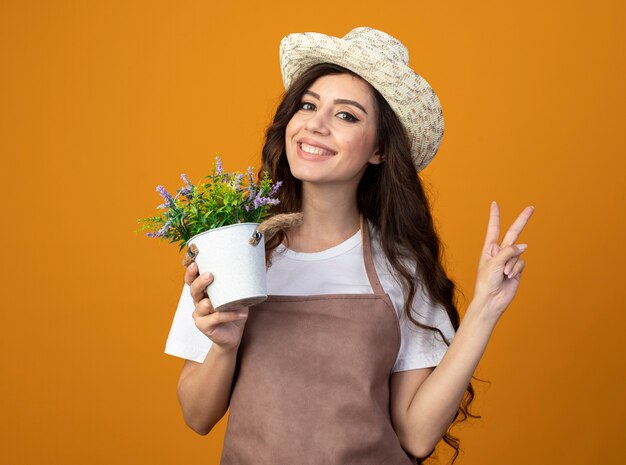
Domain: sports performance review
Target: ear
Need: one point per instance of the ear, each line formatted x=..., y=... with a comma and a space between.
x=376, y=158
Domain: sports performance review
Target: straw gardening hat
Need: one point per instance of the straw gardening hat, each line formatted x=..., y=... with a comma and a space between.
x=383, y=61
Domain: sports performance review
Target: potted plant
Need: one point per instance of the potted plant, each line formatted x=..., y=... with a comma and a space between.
x=218, y=220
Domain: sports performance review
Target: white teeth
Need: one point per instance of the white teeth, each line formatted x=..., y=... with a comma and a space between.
x=314, y=150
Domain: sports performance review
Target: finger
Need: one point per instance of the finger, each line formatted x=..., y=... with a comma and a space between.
x=199, y=285
x=191, y=273
x=517, y=270
x=516, y=228
x=493, y=228
x=507, y=253
x=204, y=308
x=493, y=251
x=509, y=265
x=243, y=311
x=209, y=323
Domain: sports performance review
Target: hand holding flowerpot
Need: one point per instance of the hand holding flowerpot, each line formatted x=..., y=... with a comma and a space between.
x=225, y=329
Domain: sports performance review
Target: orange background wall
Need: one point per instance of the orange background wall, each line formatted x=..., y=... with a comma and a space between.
x=102, y=101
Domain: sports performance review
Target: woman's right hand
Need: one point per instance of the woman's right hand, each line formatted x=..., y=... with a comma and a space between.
x=223, y=328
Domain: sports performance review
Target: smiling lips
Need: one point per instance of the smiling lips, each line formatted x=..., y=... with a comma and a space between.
x=311, y=149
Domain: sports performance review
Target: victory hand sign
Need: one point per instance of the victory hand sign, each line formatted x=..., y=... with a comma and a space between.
x=500, y=266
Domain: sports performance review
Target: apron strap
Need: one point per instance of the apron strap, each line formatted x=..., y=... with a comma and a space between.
x=367, y=256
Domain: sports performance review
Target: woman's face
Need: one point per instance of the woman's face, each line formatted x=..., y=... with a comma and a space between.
x=331, y=138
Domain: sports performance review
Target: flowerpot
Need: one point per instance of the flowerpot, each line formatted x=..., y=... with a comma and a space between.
x=238, y=267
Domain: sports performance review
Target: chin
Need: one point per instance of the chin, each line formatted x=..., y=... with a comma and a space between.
x=303, y=175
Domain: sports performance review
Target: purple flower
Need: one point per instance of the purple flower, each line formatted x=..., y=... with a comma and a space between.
x=164, y=229
x=166, y=195
x=218, y=166
x=260, y=201
x=184, y=178
x=275, y=188
x=187, y=192
x=161, y=232
x=251, y=185
x=238, y=181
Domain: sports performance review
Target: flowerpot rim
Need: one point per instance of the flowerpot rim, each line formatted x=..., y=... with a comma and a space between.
x=219, y=229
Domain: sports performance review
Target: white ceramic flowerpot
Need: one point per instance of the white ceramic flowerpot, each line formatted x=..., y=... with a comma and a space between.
x=238, y=267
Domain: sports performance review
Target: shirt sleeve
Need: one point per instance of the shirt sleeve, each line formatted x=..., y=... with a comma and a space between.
x=185, y=340
x=419, y=347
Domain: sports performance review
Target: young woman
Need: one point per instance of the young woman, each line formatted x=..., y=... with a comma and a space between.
x=358, y=354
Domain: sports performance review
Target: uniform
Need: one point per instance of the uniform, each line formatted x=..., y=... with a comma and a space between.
x=312, y=378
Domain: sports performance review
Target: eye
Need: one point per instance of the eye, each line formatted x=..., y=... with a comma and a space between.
x=307, y=106
x=347, y=116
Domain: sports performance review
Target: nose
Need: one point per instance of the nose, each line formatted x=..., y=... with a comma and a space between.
x=317, y=123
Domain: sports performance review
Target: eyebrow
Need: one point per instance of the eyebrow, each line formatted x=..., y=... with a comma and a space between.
x=339, y=100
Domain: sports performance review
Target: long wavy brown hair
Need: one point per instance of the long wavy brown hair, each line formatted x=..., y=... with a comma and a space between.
x=391, y=196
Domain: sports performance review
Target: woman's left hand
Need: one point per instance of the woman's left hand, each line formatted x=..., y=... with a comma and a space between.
x=500, y=266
